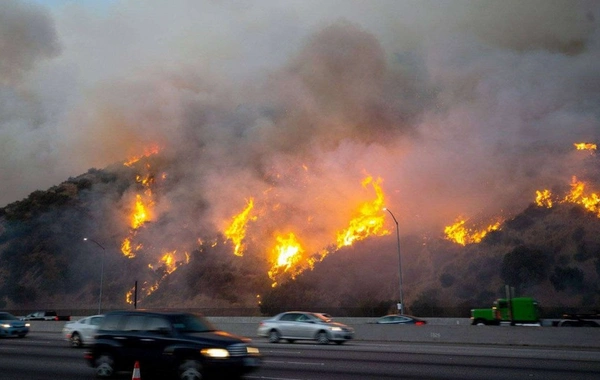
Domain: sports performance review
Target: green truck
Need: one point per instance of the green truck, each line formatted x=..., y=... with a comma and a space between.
x=517, y=310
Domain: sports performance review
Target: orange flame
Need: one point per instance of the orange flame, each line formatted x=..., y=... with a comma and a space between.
x=543, y=198
x=585, y=146
x=127, y=250
x=462, y=235
x=141, y=214
x=369, y=220
x=288, y=252
x=149, y=151
x=236, y=232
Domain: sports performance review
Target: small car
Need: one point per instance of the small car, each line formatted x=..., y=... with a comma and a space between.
x=302, y=325
x=401, y=319
x=81, y=332
x=175, y=344
x=12, y=326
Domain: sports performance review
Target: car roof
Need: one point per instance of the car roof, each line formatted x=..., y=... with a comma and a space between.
x=149, y=312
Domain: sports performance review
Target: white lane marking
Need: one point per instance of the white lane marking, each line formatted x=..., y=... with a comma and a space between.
x=288, y=362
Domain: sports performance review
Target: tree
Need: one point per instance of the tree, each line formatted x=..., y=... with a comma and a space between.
x=524, y=267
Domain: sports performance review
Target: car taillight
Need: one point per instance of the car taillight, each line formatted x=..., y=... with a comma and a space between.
x=56, y=318
x=419, y=323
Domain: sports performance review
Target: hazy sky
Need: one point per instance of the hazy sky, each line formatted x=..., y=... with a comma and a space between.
x=459, y=106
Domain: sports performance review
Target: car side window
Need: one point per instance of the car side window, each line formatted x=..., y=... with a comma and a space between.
x=95, y=321
x=111, y=322
x=157, y=325
x=289, y=317
x=302, y=318
x=134, y=323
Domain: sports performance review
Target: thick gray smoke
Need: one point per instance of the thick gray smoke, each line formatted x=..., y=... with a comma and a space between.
x=461, y=107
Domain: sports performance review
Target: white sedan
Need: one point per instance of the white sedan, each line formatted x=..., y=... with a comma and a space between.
x=81, y=332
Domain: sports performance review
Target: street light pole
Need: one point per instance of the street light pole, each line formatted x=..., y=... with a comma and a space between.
x=101, y=272
x=401, y=304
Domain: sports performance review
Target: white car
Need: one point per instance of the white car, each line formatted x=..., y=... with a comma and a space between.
x=302, y=325
x=81, y=332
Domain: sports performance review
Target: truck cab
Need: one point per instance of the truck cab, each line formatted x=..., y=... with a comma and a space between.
x=518, y=310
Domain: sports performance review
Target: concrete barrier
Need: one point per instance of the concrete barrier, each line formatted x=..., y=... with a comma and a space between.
x=437, y=330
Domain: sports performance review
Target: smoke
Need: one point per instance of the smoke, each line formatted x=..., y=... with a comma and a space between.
x=462, y=107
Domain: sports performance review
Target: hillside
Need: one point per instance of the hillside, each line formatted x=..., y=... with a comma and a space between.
x=552, y=254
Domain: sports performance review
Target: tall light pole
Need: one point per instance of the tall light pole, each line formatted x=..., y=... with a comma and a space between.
x=401, y=304
x=101, y=272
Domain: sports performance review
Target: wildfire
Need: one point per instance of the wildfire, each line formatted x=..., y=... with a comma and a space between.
x=543, y=198
x=141, y=213
x=288, y=253
x=585, y=146
x=369, y=220
x=236, y=232
x=462, y=235
x=167, y=264
x=127, y=250
x=149, y=151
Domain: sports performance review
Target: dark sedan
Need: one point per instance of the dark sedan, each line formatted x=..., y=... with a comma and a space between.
x=401, y=319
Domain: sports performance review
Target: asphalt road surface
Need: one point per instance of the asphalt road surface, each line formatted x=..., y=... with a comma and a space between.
x=45, y=356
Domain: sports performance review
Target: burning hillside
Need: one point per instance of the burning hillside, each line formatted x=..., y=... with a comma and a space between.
x=273, y=134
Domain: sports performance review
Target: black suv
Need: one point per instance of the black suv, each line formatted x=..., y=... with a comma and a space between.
x=184, y=345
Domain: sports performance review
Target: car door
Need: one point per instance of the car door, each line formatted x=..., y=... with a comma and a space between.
x=130, y=337
x=305, y=327
x=88, y=330
x=287, y=325
x=157, y=336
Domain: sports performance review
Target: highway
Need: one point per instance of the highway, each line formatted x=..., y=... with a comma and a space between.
x=45, y=356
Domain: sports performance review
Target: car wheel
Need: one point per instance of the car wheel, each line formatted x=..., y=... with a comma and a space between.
x=75, y=340
x=274, y=336
x=339, y=341
x=322, y=337
x=22, y=335
x=189, y=369
x=291, y=340
x=105, y=366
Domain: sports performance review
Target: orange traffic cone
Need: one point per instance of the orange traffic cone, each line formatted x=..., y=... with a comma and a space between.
x=136, y=371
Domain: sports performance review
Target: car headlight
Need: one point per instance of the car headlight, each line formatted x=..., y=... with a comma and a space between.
x=5, y=325
x=215, y=352
x=252, y=350
x=336, y=329
x=26, y=324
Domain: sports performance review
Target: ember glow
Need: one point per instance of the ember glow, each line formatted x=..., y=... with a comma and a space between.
x=460, y=234
x=236, y=232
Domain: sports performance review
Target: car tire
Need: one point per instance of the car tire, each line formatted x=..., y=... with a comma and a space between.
x=339, y=342
x=322, y=337
x=75, y=340
x=274, y=336
x=189, y=369
x=22, y=335
x=105, y=366
x=291, y=340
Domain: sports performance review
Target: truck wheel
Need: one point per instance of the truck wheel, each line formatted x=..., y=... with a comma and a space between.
x=479, y=322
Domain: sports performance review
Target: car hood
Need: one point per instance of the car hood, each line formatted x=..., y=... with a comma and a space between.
x=215, y=337
x=14, y=323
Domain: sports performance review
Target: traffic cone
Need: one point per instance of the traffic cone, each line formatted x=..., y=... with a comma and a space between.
x=136, y=371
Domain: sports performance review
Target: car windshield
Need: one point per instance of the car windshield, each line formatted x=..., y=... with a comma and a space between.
x=191, y=323
x=7, y=317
